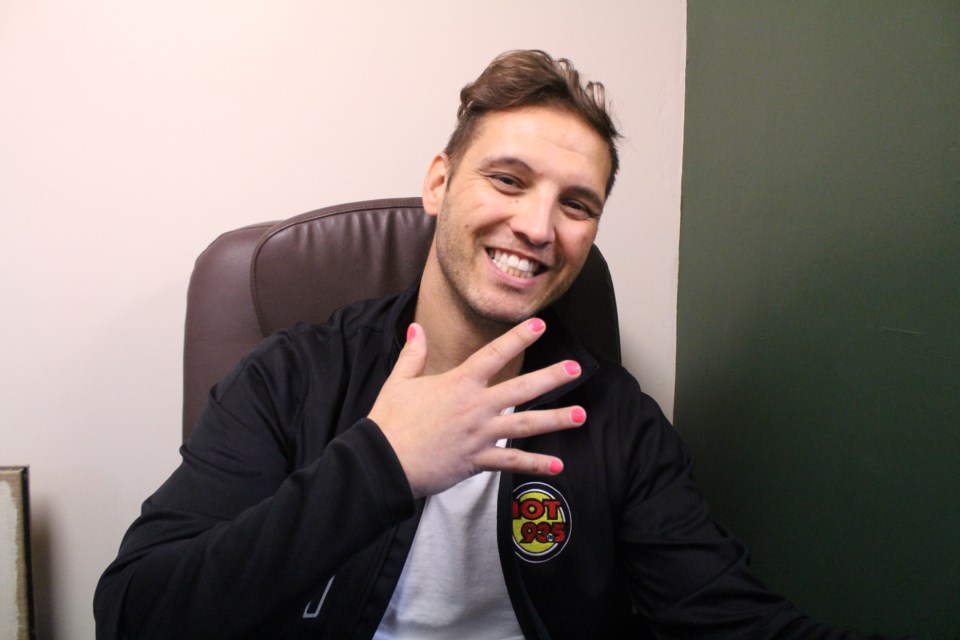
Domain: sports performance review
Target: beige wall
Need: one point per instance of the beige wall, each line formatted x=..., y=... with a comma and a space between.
x=132, y=133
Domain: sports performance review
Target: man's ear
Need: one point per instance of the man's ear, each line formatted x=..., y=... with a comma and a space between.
x=435, y=184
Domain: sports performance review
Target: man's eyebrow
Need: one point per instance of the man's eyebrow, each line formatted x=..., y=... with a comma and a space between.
x=513, y=162
x=507, y=161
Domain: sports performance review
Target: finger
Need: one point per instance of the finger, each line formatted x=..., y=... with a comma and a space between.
x=526, y=424
x=413, y=356
x=488, y=361
x=516, y=391
x=516, y=461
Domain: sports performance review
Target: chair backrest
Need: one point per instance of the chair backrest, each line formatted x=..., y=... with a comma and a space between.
x=252, y=281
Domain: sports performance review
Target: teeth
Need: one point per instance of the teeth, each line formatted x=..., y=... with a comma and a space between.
x=513, y=265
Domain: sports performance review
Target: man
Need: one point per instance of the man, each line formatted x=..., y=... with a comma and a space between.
x=559, y=501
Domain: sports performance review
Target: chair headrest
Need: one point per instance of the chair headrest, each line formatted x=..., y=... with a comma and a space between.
x=306, y=267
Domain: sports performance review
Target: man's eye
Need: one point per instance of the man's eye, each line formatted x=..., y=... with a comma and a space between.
x=579, y=209
x=507, y=181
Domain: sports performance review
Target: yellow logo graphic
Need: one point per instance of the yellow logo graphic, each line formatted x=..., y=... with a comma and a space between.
x=541, y=521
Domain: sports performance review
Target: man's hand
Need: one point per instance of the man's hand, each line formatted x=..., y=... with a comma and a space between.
x=444, y=428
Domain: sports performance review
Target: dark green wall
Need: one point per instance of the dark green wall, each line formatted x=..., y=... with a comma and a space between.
x=818, y=380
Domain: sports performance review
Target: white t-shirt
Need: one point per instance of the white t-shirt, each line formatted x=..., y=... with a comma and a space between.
x=452, y=584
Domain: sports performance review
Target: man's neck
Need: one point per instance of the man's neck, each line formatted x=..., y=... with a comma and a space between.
x=453, y=334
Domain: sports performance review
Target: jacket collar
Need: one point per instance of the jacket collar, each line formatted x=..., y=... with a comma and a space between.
x=398, y=319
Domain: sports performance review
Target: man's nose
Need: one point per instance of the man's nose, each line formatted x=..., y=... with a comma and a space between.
x=534, y=221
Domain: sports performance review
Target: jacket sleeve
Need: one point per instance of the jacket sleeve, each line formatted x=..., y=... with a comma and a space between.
x=237, y=534
x=686, y=574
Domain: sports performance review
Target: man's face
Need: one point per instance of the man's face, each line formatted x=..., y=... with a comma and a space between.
x=517, y=219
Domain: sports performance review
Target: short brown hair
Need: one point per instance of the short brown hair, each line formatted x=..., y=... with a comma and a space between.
x=518, y=79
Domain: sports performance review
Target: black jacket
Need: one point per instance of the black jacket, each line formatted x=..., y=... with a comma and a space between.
x=290, y=516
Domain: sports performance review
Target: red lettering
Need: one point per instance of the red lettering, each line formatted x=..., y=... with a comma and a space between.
x=531, y=509
x=528, y=531
x=553, y=506
x=559, y=532
x=543, y=532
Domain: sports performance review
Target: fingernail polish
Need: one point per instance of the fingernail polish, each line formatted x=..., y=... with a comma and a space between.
x=411, y=333
x=536, y=325
x=578, y=415
x=571, y=367
x=556, y=466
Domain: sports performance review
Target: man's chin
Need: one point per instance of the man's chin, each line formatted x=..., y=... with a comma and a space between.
x=505, y=309
x=504, y=321
x=505, y=315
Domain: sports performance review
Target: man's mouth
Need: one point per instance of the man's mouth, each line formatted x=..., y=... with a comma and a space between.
x=514, y=265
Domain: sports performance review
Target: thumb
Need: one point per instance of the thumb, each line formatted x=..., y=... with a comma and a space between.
x=413, y=356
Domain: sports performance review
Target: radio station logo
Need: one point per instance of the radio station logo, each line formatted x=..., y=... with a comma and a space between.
x=541, y=521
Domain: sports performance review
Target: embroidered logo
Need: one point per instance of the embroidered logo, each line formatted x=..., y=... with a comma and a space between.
x=541, y=521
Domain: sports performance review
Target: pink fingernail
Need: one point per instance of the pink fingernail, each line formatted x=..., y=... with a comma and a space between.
x=536, y=325
x=571, y=367
x=556, y=466
x=411, y=333
x=578, y=415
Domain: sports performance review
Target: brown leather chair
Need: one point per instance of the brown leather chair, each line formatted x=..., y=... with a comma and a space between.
x=252, y=281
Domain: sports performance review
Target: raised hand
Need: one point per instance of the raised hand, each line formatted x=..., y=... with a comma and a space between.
x=444, y=428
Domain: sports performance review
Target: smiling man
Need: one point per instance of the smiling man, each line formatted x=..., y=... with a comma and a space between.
x=518, y=216
x=449, y=462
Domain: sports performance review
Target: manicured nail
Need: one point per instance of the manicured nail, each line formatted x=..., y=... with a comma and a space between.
x=578, y=415
x=536, y=325
x=411, y=333
x=571, y=367
x=556, y=466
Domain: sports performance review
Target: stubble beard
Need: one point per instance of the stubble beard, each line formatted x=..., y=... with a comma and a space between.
x=456, y=267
